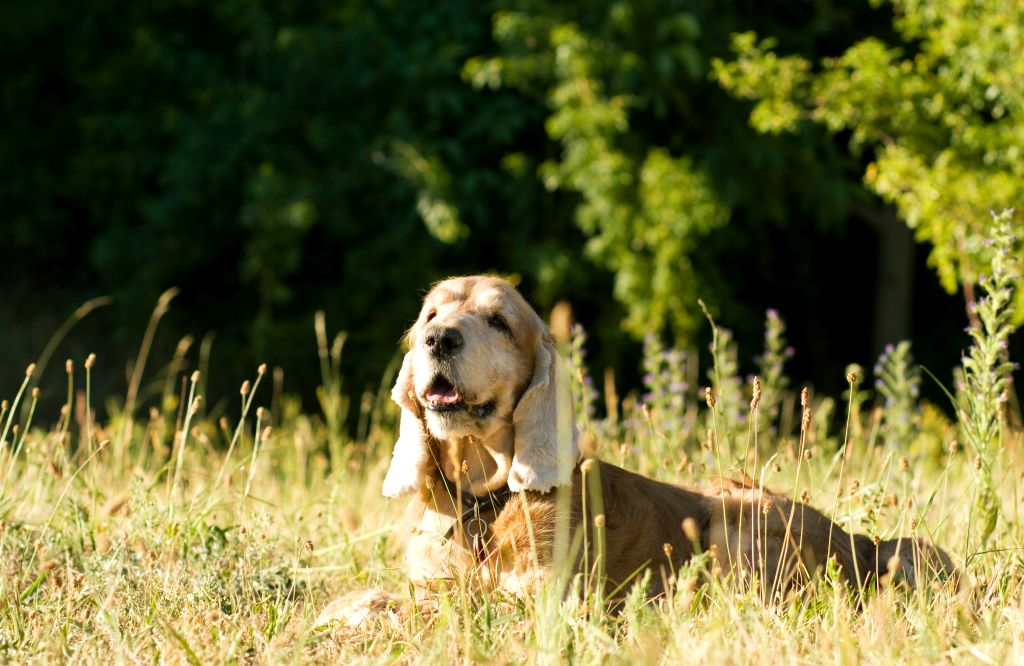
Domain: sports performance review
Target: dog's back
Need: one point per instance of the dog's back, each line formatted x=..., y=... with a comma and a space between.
x=759, y=536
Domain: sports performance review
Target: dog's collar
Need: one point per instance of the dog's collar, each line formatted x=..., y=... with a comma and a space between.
x=472, y=523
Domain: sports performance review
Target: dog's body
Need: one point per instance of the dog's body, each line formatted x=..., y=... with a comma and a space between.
x=480, y=451
x=753, y=533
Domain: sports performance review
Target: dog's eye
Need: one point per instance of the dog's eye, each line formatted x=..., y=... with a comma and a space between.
x=496, y=321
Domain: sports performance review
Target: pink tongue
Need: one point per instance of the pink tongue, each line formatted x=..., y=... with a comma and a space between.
x=448, y=396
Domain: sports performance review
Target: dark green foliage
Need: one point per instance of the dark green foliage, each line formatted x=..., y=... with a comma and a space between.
x=275, y=158
x=261, y=157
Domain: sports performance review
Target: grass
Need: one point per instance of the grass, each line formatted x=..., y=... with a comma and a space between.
x=201, y=535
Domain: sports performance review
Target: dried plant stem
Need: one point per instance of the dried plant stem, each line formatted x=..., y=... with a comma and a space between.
x=255, y=451
x=162, y=305
x=17, y=399
x=247, y=397
x=182, y=438
x=805, y=427
x=19, y=442
x=851, y=380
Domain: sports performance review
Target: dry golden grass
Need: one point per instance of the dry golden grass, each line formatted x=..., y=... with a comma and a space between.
x=126, y=540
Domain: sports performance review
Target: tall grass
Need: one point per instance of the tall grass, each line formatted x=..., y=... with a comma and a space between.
x=205, y=537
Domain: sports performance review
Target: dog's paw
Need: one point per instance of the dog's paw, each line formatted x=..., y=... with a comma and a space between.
x=401, y=480
x=527, y=477
x=357, y=609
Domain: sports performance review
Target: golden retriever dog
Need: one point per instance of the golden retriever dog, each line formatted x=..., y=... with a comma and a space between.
x=487, y=455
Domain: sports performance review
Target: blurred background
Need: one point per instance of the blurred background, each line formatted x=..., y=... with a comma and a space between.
x=832, y=159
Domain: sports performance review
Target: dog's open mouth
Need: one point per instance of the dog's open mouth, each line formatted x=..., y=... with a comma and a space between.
x=443, y=396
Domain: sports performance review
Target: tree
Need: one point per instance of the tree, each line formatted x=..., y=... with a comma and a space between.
x=942, y=116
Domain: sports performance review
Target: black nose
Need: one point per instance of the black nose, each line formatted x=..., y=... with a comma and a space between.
x=443, y=342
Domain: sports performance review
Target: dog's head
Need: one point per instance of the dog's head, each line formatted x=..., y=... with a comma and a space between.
x=480, y=362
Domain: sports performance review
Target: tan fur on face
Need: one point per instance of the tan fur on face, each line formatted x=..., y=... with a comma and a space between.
x=501, y=334
x=500, y=426
x=749, y=531
x=492, y=365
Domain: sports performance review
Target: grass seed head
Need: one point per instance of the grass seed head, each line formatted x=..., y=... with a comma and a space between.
x=709, y=397
x=69, y=366
x=262, y=370
x=561, y=322
x=690, y=529
x=756, y=398
x=90, y=361
x=599, y=521
x=30, y=369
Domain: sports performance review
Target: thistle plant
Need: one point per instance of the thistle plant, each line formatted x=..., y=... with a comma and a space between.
x=986, y=367
x=898, y=381
x=725, y=379
x=770, y=364
x=584, y=392
x=665, y=386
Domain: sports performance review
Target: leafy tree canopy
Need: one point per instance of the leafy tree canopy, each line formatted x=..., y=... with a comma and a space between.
x=941, y=114
x=274, y=158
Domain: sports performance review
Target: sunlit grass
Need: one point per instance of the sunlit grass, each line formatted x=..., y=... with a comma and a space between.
x=183, y=535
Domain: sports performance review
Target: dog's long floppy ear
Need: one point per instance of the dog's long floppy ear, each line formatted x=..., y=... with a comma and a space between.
x=411, y=457
x=535, y=463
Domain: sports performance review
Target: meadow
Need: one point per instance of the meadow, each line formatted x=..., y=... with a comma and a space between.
x=181, y=527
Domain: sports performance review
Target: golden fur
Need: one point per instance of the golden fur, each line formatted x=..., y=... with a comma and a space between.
x=480, y=408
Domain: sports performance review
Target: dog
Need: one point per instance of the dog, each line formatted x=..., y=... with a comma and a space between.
x=486, y=453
